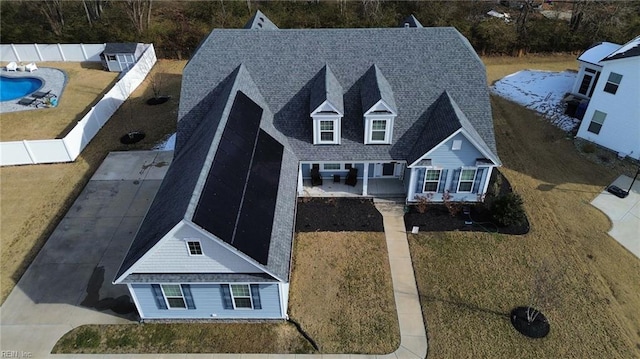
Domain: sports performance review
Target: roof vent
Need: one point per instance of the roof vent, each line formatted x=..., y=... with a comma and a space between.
x=261, y=19
x=259, y=24
x=407, y=25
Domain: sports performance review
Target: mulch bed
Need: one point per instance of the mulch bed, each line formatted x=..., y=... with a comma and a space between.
x=437, y=217
x=338, y=214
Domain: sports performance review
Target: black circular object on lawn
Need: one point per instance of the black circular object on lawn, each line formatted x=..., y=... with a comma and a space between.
x=538, y=328
x=158, y=100
x=132, y=137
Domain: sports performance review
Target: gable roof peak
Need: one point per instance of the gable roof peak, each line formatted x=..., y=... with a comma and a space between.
x=260, y=21
x=411, y=21
x=326, y=88
x=375, y=87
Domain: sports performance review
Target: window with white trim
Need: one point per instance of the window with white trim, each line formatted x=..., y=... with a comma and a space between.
x=612, y=83
x=467, y=176
x=195, y=248
x=327, y=133
x=596, y=122
x=241, y=295
x=331, y=167
x=174, y=296
x=432, y=180
x=378, y=130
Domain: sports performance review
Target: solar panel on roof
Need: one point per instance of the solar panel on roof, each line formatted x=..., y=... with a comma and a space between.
x=221, y=197
x=253, y=232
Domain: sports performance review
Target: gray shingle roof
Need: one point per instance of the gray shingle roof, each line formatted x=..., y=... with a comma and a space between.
x=197, y=277
x=326, y=88
x=417, y=63
x=630, y=49
x=120, y=47
x=183, y=184
x=375, y=87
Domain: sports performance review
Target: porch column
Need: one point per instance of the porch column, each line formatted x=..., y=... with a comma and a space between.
x=486, y=181
x=365, y=179
x=300, y=183
x=412, y=186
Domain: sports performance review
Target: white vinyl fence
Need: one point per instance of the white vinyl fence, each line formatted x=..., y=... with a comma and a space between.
x=68, y=148
x=51, y=52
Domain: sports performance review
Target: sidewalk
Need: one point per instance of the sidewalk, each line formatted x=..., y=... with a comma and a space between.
x=36, y=315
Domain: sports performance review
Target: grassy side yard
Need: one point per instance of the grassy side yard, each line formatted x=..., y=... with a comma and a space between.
x=470, y=282
x=341, y=294
x=33, y=199
x=278, y=337
x=86, y=83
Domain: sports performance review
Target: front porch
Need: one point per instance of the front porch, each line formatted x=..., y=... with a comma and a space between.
x=376, y=187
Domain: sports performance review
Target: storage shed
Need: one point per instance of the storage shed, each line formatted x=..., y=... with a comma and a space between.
x=120, y=56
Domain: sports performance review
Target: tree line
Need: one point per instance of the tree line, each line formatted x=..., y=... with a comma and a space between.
x=176, y=28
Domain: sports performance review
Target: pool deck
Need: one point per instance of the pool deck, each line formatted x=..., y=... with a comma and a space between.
x=53, y=80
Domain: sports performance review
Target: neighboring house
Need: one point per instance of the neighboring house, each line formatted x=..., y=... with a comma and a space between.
x=609, y=81
x=119, y=57
x=260, y=108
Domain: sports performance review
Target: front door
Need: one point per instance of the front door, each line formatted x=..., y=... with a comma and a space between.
x=388, y=169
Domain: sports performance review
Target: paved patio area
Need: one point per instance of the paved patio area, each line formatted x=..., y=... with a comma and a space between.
x=624, y=214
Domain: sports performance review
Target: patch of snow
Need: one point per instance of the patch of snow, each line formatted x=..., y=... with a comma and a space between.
x=628, y=46
x=598, y=52
x=167, y=145
x=541, y=91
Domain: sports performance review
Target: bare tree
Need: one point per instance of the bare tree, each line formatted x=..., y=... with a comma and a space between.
x=93, y=9
x=52, y=11
x=139, y=12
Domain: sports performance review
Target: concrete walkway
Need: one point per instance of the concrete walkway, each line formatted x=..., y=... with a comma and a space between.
x=32, y=326
x=624, y=214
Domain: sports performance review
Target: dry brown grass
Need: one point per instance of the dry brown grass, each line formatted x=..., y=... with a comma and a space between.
x=278, y=337
x=470, y=282
x=33, y=199
x=501, y=66
x=87, y=83
x=341, y=292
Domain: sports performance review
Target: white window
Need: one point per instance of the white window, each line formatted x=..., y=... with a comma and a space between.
x=241, y=295
x=174, y=296
x=111, y=57
x=331, y=167
x=612, y=83
x=326, y=130
x=465, y=184
x=327, y=133
x=432, y=180
x=379, y=131
x=596, y=122
x=195, y=248
x=457, y=144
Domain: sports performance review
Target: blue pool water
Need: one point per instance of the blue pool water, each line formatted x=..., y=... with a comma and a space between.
x=13, y=88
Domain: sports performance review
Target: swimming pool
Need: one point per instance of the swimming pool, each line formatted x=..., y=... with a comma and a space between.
x=12, y=88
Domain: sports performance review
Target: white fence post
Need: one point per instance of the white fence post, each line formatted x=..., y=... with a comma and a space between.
x=62, y=52
x=15, y=52
x=38, y=52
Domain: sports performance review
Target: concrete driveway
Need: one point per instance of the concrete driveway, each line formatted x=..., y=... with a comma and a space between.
x=624, y=214
x=69, y=282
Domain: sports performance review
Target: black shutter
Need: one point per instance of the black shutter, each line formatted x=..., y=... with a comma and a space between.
x=420, y=173
x=476, y=182
x=157, y=294
x=443, y=181
x=255, y=296
x=225, y=291
x=188, y=297
x=453, y=188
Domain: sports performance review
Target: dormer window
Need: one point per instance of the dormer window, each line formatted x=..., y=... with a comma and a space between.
x=379, y=108
x=327, y=108
x=326, y=129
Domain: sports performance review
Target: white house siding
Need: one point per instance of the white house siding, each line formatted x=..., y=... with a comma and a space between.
x=208, y=304
x=621, y=129
x=172, y=256
x=442, y=157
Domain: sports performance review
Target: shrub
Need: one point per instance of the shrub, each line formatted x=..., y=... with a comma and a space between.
x=423, y=202
x=507, y=210
x=453, y=207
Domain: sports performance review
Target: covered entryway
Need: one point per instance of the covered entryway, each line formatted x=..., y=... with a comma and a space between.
x=376, y=179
